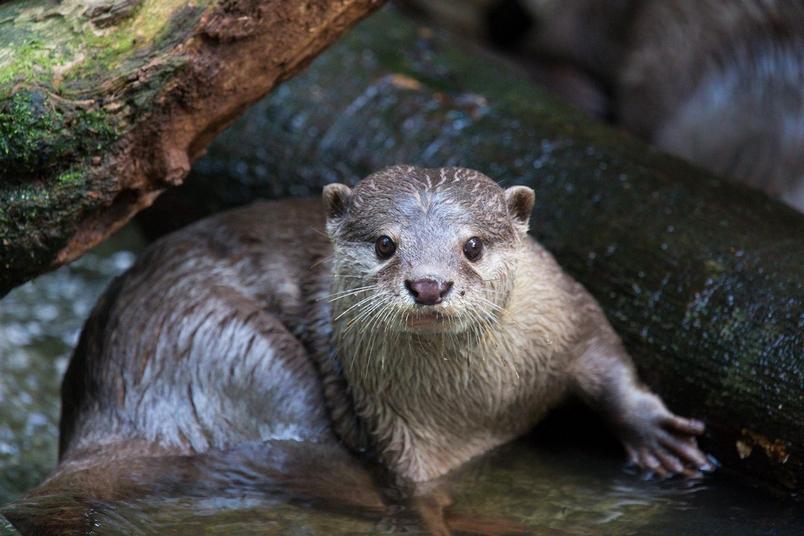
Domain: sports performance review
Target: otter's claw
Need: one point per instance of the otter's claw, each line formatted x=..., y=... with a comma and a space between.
x=664, y=444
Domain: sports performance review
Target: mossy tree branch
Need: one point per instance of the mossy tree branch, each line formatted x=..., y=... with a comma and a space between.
x=105, y=103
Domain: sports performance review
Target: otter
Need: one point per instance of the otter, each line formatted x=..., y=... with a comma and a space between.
x=735, y=69
x=411, y=318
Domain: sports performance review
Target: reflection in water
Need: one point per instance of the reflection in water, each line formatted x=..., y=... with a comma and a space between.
x=290, y=488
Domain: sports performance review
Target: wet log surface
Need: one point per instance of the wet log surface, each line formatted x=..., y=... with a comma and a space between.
x=105, y=103
x=703, y=279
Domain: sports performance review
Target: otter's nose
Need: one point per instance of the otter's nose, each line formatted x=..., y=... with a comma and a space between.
x=428, y=291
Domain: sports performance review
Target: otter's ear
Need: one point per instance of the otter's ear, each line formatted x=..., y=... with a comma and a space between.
x=337, y=198
x=520, y=202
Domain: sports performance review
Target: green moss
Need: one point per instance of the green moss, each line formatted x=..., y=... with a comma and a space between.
x=28, y=128
x=30, y=59
x=56, y=45
x=70, y=176
x=41, y=136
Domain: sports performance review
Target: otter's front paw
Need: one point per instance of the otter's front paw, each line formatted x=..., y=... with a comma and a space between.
x=662, y=443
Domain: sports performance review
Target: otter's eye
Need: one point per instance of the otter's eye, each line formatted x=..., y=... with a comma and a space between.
x=384, y=247
x=473, y=248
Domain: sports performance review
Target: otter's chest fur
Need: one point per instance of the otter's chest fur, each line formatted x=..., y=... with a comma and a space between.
x=431, y=403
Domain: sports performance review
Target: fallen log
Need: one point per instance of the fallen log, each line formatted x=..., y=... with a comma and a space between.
x=703, y=279
x=105, y=103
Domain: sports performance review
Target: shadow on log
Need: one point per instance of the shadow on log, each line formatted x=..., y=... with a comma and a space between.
x=104, y=104
x=703, y=279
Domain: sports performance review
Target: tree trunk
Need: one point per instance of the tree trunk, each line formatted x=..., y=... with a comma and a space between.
x=702, y=278
x=105, y=103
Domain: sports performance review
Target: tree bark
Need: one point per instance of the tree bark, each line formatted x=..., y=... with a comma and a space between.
x=703, y=278
x=105, y=103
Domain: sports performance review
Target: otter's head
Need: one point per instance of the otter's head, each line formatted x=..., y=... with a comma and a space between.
x=424, y=250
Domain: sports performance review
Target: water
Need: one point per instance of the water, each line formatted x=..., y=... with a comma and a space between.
x=39, y=324
x=542, y=483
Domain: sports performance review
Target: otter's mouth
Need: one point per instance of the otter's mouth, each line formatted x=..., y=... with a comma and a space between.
x=428, y=320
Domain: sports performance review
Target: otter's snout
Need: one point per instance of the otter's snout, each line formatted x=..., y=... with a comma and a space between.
x=428, y=291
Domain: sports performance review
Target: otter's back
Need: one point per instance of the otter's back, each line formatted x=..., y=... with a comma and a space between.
x=191, y=348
